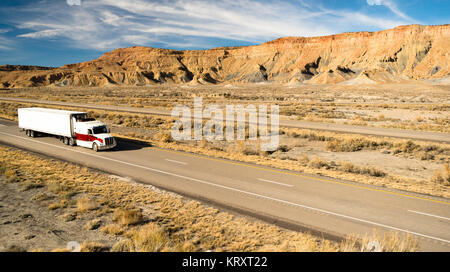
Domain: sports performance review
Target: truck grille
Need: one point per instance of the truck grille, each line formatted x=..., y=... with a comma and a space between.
x=109, y=141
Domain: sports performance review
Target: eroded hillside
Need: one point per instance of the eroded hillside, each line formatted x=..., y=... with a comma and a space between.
x=400, y=54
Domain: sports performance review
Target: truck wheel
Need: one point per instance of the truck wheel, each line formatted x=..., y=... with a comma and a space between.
x=72, y=142
x=95, y=147
x=66, y=141
x=27, y=132
x=32, y=134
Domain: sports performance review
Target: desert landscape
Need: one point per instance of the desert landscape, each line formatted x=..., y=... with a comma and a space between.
x=327, y=88
x=400, y=54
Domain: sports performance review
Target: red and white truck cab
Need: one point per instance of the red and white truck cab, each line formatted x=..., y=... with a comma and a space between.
x=93, y=134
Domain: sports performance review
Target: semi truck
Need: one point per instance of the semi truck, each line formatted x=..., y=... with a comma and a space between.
x=71, y=127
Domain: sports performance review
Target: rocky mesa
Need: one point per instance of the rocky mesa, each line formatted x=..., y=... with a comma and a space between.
x=404, y=53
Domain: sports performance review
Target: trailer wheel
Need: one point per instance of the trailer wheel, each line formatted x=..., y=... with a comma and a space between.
x=72, y=142
x=95, y=147
x=66, y=141
x=27, y=132
x=32, y=133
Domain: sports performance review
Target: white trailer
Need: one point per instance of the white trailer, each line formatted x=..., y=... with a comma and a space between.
x=72, y=127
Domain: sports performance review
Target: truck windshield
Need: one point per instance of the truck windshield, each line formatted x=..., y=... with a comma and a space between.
x=100, y=130
x=81, y=117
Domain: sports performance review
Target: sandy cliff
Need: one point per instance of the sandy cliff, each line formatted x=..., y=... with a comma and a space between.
x=403, y=53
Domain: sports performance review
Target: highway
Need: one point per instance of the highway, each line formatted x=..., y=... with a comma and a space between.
x=340, y=128
x=296, y=200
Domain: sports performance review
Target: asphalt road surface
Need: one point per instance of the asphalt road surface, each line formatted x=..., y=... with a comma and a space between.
x=341, y=128
x=321, y=204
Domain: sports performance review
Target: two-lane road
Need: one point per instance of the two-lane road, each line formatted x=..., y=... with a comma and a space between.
x=332, y=206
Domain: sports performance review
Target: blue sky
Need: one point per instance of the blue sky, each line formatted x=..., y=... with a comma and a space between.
x=58, y=32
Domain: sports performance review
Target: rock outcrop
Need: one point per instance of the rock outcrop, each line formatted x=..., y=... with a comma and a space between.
x=404, y=53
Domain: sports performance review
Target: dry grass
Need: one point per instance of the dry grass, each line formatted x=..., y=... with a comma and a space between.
x=42, y=197
x=11, y=175
x=127, y=217
x=369, y=171
x=113, y=229
x=352, y=145
x=67, y=217
x=85, y=204
x=58, y=205
x=364, y=106
x=344, y=167
x=93, y=224
x=163, y=137
x=176, y=223
x=442, y=177
x=386, y=242
x=92, y=247
x=150, y=238
x=125, y=245
x=318, y=163
x=28, y=185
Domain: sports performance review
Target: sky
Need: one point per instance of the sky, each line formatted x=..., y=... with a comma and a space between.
x=58, y=32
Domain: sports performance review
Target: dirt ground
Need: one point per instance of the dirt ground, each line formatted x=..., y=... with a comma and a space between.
x=29, y=225
x=404, y=166
x=420, y=106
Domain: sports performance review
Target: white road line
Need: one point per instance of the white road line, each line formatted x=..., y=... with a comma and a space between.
x=238, y=190
x=279, y=183
x=437, y=216
x=179, y=162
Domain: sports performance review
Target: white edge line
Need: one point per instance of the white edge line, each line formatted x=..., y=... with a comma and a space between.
x=279, y=183
x=240, y=191
x=184, y=163
x=427, y=214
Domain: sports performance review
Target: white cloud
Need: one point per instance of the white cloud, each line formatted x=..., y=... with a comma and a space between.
x=6, y=43
x=43, y=33
x=390, y=5
x=4, y=47
x=73, y=2
x=108, y=24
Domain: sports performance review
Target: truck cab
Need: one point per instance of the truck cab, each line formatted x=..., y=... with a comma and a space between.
x=92, y=134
